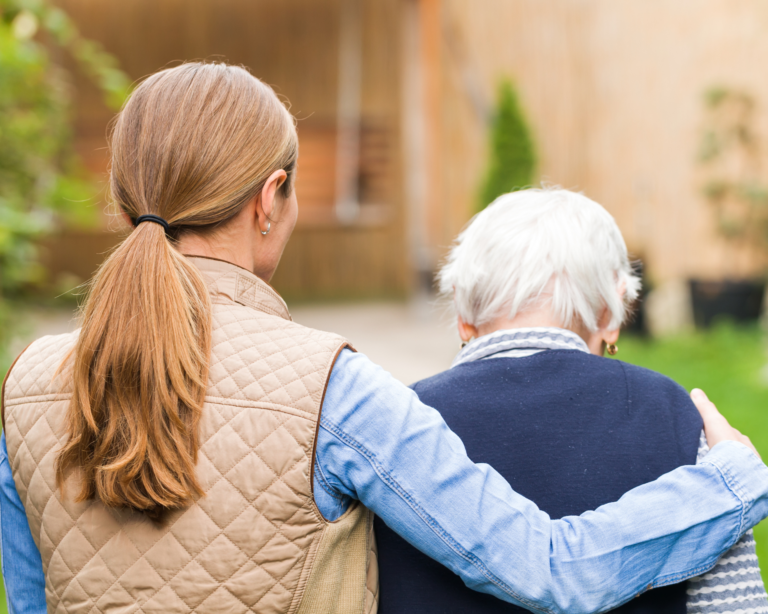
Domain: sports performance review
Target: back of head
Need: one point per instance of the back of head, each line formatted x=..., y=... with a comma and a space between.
x=540, y=248
x=192, y=145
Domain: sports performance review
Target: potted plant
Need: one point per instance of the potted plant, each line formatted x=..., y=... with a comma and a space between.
x=730, y=157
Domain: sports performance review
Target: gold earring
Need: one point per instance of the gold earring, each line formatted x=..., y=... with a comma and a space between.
x=612, y=349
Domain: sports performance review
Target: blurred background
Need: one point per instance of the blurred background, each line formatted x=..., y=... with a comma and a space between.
x=413, y=115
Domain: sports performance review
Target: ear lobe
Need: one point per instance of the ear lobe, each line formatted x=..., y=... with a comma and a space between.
x=257, y=213
x=467, y=332
x=611, y=336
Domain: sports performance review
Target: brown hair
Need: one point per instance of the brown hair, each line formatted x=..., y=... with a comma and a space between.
x=192, y=145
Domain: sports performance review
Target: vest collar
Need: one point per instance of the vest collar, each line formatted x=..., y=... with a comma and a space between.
x=237, y=284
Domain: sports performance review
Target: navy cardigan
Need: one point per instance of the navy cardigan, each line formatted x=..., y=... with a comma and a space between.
x=570, y=431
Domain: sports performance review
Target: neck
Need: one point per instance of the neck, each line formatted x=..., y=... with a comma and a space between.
x=192, y=244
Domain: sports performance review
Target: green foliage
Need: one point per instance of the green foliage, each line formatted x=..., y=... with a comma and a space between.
x=42, y=184
x=100, y=66
x=513, y=156
x=729, y=364
x=730, y=156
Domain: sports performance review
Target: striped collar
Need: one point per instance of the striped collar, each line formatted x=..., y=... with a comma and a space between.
x=519, y=342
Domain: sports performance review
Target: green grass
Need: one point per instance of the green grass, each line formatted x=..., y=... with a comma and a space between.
x=729, y=364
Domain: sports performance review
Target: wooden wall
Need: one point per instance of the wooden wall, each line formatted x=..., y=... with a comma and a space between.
x=614, y=93
x=293, y=46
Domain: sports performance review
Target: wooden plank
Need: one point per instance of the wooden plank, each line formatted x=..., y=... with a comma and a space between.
x=430, y=22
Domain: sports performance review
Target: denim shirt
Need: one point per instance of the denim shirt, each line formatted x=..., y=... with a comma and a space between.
x=379, y=444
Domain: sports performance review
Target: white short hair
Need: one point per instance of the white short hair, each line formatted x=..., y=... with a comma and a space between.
x=536, y=247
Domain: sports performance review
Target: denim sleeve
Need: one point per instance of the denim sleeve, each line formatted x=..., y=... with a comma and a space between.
x=379, y=444
x=22, y=565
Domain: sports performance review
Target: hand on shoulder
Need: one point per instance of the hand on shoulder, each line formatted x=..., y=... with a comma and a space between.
x=716, y=427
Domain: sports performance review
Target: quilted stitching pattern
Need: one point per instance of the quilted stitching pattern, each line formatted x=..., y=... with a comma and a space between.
x=34, y=372
x=291, y=369
x=241, y=548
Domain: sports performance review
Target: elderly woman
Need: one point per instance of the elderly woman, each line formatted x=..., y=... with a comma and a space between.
x=541, y=283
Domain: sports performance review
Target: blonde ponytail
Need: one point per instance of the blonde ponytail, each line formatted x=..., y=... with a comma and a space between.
x=193, y=145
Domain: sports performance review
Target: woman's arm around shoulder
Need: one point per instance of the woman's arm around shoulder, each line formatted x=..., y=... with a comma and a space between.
x=378, y=443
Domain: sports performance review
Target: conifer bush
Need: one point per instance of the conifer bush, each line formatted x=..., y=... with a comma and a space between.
x=513, y=156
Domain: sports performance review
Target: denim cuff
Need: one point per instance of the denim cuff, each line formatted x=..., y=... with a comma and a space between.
x=746, y=476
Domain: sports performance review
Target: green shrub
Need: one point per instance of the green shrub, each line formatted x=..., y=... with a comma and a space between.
x=513, y=155
x=42, y=183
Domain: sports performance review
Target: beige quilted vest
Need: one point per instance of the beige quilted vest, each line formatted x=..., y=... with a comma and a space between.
x=256, y=542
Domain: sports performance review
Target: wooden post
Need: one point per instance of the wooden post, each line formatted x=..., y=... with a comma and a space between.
x=349, y=111
x=421, y=133
x=430, y=22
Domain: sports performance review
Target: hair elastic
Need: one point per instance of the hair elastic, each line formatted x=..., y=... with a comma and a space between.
x=152, y=218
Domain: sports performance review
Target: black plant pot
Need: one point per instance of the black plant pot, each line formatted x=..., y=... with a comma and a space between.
x=737, y=300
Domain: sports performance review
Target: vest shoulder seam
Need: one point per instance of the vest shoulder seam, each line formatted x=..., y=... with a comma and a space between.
x=258, y=313
x=39, y=398
x=299, y=413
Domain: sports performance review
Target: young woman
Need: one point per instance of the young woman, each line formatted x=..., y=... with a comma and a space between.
x=541, y=283
x=172, y=455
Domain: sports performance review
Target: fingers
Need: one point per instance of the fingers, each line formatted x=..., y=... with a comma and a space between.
x=706, y=407
x=716, y=427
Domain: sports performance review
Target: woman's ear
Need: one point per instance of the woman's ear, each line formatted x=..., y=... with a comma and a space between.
x=266, y=207
x=622, y=289
x=611, y=336
x=608, y=335
x=126, y=218
x=467, y=332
